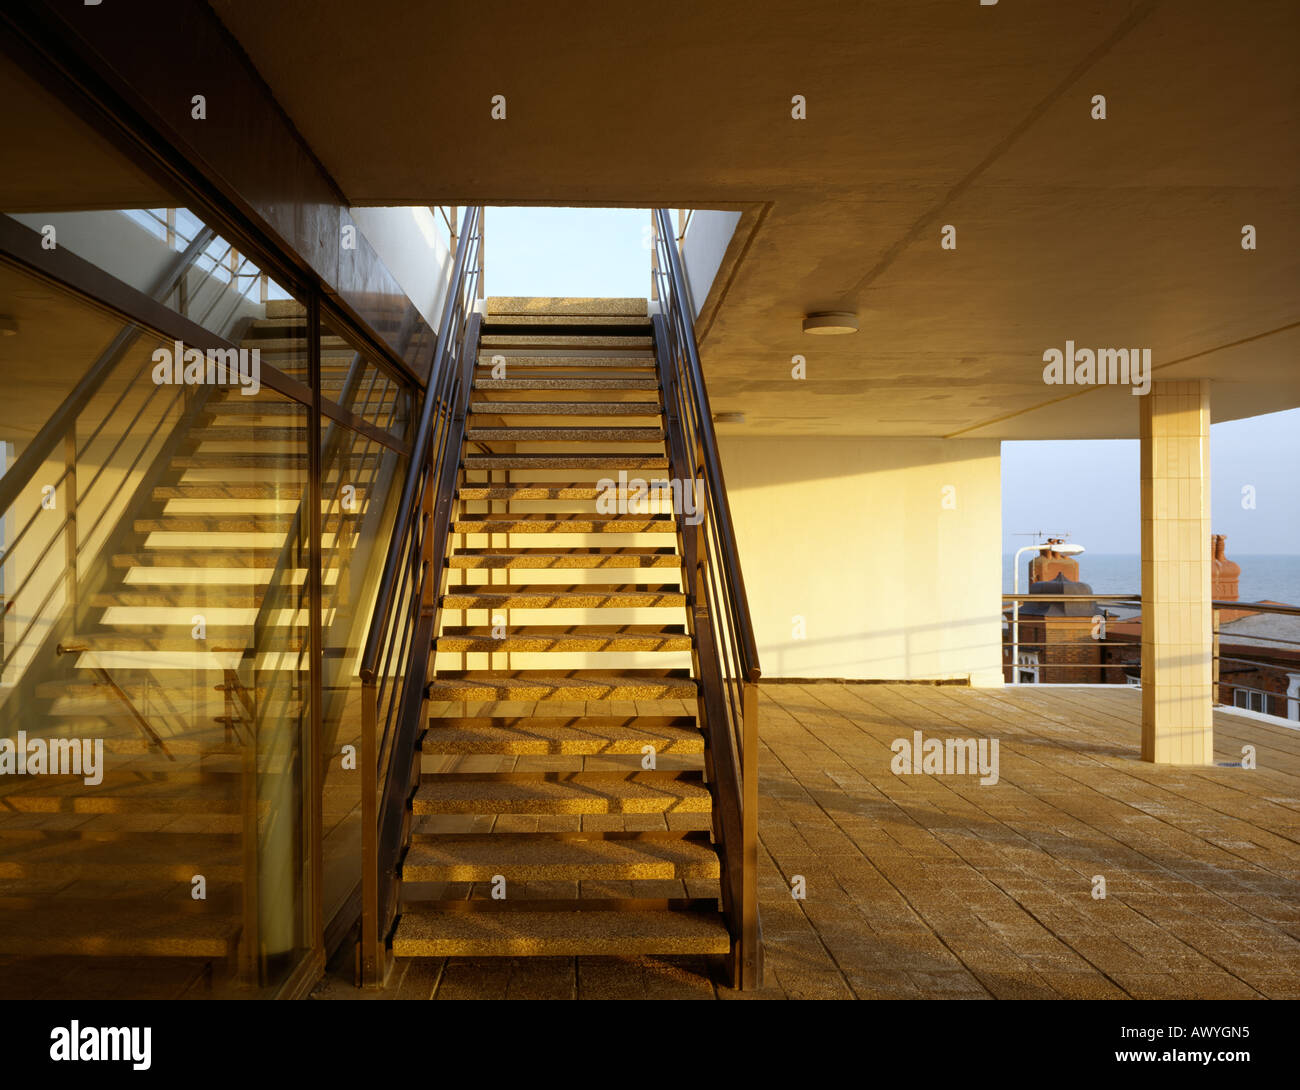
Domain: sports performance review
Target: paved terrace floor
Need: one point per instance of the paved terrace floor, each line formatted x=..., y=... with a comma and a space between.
x=930, y=886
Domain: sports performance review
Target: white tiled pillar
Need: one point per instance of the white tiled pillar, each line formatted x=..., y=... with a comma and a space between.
x=1177, y=632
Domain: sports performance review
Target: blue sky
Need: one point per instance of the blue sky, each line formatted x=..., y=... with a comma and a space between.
x=1089, y=487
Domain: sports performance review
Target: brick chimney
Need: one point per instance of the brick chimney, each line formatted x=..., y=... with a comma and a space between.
x=1049, y=564
x=1224, y=575
x=1223, y=572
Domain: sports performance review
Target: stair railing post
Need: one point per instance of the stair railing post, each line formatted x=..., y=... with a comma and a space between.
x=654, y=257
x=371, y=953
x=70, y=515
x=751, y=944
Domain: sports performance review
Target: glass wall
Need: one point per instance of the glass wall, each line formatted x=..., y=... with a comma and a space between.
x=361, y=478
x=170, y=503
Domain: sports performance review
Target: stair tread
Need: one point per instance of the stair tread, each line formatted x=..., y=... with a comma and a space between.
x=563, y=793
x=617, y=305
x=568, y=460
x=630, y=340
x=567, y=382
x=565, y=408
x=506, y=933
x=575, y=735
x=569, y=685
x=588, y=638
x=558, y=558
x=504, y=322
x=525, y=434
x=477, y=858
x=538, y=490
x=547, y=596
x=564, y=522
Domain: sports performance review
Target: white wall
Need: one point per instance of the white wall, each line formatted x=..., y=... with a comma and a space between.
x=707, y=239
x=411, y=242
x=853, y=535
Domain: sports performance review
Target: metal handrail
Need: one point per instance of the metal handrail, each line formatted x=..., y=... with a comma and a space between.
x=1265, y=644
x=712, y=465
x=395, y=660
x=406, y=509
x=725, y=656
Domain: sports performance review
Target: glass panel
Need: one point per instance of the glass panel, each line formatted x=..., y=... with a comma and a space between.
x=155, y=634
x=155, y=674
x=359, y=385
x=360, y=490
x=221, y=289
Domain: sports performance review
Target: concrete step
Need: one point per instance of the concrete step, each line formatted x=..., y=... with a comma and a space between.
x=567, y=685
x=538, y=490
x=474, y=559
x=543, y=596
x=518, y=932
x=536, y=360
x=565, y=408
x=521, y=857
x=564, y=435
x=562, y=522
x=589, y=638
x=579, y=736
x=560, y=340
x=609, y=460
x=562, y=793
x=566, y=382
x=568, y=322
x=616, y=306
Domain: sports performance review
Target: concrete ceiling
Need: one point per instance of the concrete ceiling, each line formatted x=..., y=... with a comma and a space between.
x=921, y=113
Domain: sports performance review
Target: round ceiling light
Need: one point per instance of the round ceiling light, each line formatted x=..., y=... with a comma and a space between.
x=828, y=323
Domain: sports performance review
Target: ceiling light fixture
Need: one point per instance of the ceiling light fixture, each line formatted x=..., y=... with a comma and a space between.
x=826, y=323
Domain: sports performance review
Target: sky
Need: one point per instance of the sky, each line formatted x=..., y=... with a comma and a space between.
x=1090, y=488
x=1086, y=487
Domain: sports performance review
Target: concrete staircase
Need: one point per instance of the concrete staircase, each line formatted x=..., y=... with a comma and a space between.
x=560, y=805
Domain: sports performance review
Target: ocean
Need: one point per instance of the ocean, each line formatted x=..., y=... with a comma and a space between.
x=1263, y=578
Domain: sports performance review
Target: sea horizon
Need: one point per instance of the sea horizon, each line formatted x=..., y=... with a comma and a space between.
x=1265, y=577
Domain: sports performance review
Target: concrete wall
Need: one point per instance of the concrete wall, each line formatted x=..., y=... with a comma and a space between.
x=894, y=576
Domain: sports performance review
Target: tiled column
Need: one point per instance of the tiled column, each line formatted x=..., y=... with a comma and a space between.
x=1177, y=634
